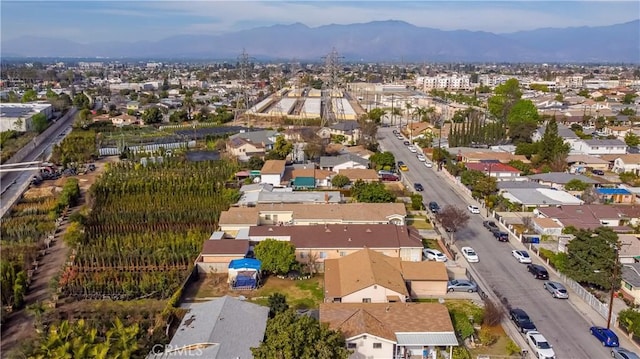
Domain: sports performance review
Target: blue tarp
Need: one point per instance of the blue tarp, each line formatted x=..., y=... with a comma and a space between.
x=245, y=263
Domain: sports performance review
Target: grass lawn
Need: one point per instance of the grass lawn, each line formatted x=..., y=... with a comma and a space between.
x=419, y=222
x=497, y=348
x=307, y=293
x=431, y=243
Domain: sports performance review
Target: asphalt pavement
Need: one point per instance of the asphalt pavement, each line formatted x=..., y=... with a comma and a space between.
x=563, y=323
x=13, y=184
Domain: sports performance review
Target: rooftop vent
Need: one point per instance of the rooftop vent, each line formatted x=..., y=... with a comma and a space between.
x=270, y=229
x=368, y=230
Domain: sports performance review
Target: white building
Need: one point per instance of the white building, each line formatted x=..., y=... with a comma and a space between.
x=17, y=116
x=599, y=147
x=272, y=172
x=444, y=82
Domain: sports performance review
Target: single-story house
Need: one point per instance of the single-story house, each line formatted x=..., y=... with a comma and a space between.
x=222, y=328
x=336, y=163
x=629, y=248
x=540, y=197
x=547, y=226
x=631, y=282
x=557, y=180
x=497, y=170
x=588, y=216
x=244, y=149
x=391, y=330
x=580, y=163
x=272, y=172
x=615, y=195
x=217, y=253
x=369, y=276
x=318, y=243
x=299, y=214
x=365, y=175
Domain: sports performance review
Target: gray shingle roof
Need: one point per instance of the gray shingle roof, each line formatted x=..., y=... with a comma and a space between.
x=631, y=274
x=519, y=184
x=332, y=161
x=345, y=126
x=257, y=136
x=230, y=325
x=605, y=142
x=561, y=178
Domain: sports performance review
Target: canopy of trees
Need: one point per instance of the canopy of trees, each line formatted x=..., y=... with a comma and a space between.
x=383, y=160
x=591, y=257
x=374, y=192
x=281, y=149
x=277, y=257
x=289, y=336
x=152, y=115
x=339, y=181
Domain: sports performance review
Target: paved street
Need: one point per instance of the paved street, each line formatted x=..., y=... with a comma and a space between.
x=12, y=184
x=565, y=328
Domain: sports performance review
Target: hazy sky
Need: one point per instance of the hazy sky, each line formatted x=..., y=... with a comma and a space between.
x=91, y=21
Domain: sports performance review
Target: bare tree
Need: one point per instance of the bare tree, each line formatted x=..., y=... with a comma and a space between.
x=453, y=218
x=528, y=223
x=312, y=262
x=590, y=196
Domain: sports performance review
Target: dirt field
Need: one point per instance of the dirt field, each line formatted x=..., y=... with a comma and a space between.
x=19, y=325
x=300, y=294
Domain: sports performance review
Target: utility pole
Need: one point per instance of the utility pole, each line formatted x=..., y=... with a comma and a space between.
x=614, y=279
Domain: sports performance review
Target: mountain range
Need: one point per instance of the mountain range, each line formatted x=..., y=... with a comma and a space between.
x=373, y=41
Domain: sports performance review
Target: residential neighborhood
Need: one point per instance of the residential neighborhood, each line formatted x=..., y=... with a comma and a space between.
x=242, y=209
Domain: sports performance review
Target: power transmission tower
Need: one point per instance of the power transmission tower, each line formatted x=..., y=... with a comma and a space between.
x=242, y=94
x=330, y=89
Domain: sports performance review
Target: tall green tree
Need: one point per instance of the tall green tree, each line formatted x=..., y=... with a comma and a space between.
x=152, y=115
x=374, y=192
x=591, y=257
x=552, y=147
x=277, y=257
x=281, y=149
x=340, y=181
x=631, y=139
x=383, y=160
x=29, y=96
x=505, y=96
x=289, y=336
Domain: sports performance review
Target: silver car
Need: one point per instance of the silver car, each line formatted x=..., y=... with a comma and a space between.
x=461, y=285
x=556, y=289
x=622, y=353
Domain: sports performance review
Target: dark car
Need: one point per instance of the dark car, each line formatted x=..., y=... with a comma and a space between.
x=491, y=225
x=434, y=207
x=418, y=187
x=406, y=143
x=388, y=177
x=598, y=172
x=501, y=236
x=522, y=320
x=606, y=336
x=400, y=163
x=538, y=271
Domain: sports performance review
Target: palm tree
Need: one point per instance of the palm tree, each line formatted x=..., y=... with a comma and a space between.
x=188, y=104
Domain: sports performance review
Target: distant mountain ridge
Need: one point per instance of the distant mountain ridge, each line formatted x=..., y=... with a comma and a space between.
x=390, y=40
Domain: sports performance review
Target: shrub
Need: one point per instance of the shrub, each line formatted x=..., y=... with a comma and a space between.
x=416, y=202
x=461, y=352
x=557, y=260
x=487, y=337
x=512, y=347
x=461, y=324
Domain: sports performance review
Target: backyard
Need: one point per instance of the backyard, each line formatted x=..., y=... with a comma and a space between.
x=301, y=294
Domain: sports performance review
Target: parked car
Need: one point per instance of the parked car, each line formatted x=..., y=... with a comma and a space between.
x=412, y=149
x=418, y=187
x=622, y=353
x=391, y=178
x=407, y=143
x=434, y=255
x=428, y=164
x=491, y=225
x=461, y=285
x=473, y=209
x=598, y=172
x=541, y=347
x=556, y=289
x=501, y=236
x=606, y=336
x=404, y=168
x=521, y=256
x=434, y=207
x=522, y=320
x=384, y=172
x=470, y=254
x=538, y=271
x=421, y=158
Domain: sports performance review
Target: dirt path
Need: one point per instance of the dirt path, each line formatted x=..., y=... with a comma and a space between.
x=19, y=325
